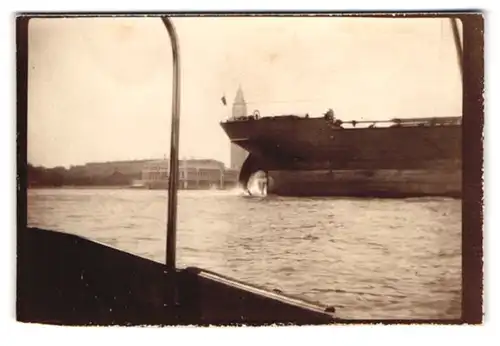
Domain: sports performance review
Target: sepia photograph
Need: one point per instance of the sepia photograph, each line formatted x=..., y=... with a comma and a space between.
x=237, y=169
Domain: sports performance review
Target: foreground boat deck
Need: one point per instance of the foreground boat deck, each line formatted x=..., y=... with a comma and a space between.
x=68, y=280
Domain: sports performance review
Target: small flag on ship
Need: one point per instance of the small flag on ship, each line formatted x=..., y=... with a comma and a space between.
x=223, y=99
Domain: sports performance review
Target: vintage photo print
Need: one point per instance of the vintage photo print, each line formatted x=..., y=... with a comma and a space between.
x=249, y=169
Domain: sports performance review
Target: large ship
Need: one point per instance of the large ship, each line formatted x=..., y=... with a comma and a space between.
x=304, y=156
x=324, y=156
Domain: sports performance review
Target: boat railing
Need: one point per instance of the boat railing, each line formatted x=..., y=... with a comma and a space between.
x=430, y=121
x=173, y=182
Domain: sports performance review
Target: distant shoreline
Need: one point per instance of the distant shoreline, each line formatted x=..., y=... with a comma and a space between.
x=89, y=187
x=111, y=187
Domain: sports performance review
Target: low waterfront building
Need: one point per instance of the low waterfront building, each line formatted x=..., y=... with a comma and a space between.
x=130, y=168
x=193, y=174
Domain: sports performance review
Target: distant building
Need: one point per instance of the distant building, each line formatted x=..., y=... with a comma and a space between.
x=193, y=174
x=155, y=170
x=238, y=154
x=130, y=168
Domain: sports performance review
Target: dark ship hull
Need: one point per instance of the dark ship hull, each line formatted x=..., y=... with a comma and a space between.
x=318, y=157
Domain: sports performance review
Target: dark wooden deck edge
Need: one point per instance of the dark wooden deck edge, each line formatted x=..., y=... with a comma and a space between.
x=65, y=279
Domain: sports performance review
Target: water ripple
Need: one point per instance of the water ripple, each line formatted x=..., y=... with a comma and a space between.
x=371, y=258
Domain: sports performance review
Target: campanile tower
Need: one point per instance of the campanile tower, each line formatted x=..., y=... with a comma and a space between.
x=238, y=155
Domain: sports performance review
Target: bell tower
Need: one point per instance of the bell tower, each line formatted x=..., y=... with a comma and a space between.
x=238, y=154
x=239, y=104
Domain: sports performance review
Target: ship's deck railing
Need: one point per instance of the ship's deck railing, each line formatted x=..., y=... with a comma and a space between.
x=430, y=121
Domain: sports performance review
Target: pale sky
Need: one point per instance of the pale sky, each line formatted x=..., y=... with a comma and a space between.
x=100, y=89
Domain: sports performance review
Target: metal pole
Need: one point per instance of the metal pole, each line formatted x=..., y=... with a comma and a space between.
x=458, y=44
x=174, y=150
